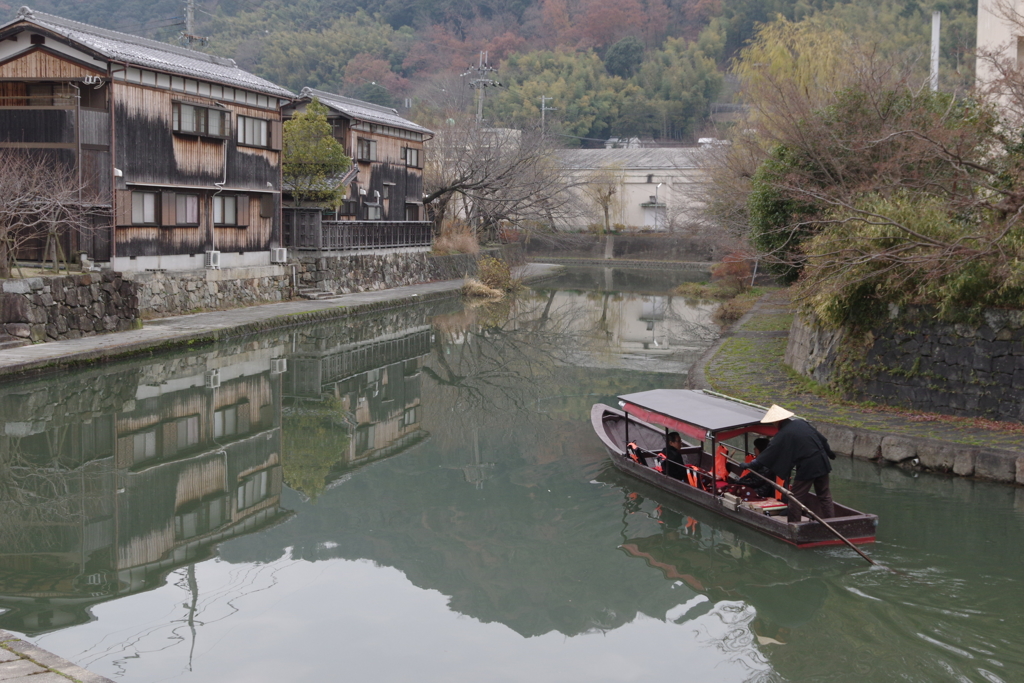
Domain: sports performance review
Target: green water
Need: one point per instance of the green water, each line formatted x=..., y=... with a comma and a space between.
x=418, y=496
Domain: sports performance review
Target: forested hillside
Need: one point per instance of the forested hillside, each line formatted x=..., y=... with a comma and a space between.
x=612, y=67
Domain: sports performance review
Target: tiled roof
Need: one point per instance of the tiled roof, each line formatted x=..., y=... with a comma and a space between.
x=648, y=158
x=364, y=111
x=152, y=54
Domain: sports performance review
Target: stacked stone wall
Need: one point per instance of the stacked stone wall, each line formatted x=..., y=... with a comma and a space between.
x=68, y=307
x=345, y=274
x=163, y=294
x=917, y=362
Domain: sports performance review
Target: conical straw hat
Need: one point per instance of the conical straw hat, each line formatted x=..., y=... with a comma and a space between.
x=776, y=414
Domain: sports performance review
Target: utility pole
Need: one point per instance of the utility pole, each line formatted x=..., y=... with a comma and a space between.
x=936, y=26
x=481, y=81
x=189, y=37
x=544, y=109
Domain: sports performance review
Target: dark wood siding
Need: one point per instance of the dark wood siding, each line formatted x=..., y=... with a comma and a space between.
x=95, y=127
x=151, y=241
x=37, y=124
x=406, y=185
x=151, y=153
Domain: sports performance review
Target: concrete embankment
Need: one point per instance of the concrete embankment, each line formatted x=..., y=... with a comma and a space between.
x=628, y=263
x=23, y=662
x=204, y=328
x=748, y=363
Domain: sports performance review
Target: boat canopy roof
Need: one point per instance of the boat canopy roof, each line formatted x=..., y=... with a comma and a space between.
x=696, y=413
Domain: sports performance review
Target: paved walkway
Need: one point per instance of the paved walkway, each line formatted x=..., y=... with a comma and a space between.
x=176, y=331
x=23, y=662
x=748, y=363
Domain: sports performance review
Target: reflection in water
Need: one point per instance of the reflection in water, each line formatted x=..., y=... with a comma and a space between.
x=722, y=562
x=433, y=461
x=112, y=480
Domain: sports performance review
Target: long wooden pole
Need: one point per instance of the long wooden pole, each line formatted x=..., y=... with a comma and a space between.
x=806, y=509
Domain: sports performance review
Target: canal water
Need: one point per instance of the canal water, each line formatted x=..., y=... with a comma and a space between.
x=418, y=496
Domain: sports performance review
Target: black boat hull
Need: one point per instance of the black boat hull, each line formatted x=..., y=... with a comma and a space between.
x=609, y=424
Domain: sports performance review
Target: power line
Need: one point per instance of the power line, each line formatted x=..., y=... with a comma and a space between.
x=137, y=25
x=483, y=80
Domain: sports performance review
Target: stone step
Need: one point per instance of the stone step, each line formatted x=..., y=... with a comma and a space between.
x=9, y=342
x=316, y=294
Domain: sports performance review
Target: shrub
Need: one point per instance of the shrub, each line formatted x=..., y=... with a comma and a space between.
x=906, y=249
x=731, y=311
x=508, y=235
x=496, y=274
x=733, y=273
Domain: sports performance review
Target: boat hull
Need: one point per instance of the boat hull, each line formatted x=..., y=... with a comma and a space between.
x=609, y=424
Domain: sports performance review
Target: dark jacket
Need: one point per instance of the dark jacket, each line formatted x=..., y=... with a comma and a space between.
x=673, y=466
x=799, y=445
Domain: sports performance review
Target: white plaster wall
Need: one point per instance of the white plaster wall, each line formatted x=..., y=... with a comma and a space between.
x=995, y=33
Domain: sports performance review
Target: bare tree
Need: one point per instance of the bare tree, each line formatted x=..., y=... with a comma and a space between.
x=40, y=201
x=601, y=186
x=489, y=175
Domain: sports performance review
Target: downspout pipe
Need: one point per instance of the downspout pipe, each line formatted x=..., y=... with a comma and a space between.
x=220, y=188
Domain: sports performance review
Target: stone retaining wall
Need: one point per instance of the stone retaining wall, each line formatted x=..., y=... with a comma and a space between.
x=51, y=308
x=992, y=464
x=919, y=363
x=68, y=307
x=167, y=293
x=345, y=274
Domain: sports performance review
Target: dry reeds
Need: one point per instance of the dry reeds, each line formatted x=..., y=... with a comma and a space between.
x=473, y=288
x=457, y=238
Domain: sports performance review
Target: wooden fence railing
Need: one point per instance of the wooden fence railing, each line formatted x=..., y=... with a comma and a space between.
x=305, y=230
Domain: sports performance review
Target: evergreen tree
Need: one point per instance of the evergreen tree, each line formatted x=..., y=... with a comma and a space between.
x=313, y=160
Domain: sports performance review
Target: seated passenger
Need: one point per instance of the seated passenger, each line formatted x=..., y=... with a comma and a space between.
x=764, y=489
x=674, y=461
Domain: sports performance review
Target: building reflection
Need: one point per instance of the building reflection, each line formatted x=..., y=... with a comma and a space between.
x=370, y=387
x=113, y=480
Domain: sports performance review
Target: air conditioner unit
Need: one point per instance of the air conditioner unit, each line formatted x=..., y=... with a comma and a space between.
x=213, y=259
x=279, y=255
x=212, y=377
x=278, y=366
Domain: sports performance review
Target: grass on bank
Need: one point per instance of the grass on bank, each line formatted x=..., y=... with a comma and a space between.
x=735, y=301
x=752, y=368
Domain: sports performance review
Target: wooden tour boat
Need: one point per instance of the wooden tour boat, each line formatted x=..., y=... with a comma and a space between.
x=712, y=423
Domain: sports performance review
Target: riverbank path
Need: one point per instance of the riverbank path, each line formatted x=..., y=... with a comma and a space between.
x=23, y=662
x=177, y=331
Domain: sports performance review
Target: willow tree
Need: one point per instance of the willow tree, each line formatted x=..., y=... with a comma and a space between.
x=314, y=161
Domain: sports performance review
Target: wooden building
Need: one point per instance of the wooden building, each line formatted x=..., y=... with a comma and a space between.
x=386, y=181
x=179, y=151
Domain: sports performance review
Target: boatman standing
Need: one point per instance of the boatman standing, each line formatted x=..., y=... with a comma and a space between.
x=799, y=445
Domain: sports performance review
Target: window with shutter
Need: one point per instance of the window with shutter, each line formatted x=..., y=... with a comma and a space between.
x=225, y=210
